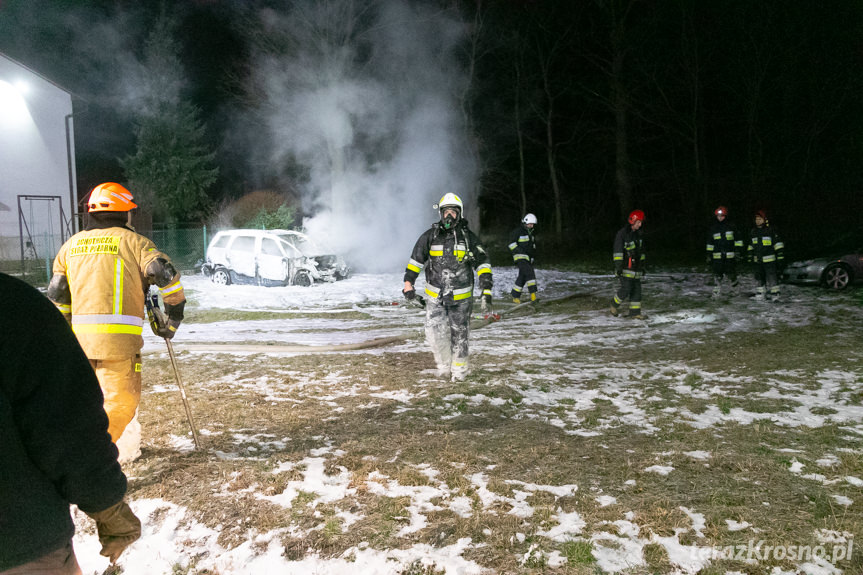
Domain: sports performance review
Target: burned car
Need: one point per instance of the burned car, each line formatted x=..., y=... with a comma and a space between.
x=270, y=258
x=835, y=273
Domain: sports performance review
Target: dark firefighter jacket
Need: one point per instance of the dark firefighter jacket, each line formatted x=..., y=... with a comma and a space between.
x=722, y=241
x=54, y=442
x=522, y=244
x=629, y=260
x=765, y=245
x=450, y=258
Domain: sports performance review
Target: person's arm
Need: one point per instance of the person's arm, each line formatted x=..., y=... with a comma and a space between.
x=779, y=248
x=418, y=259
x=159, y=271
x=58, y=288
x=482, y=263
x=617, y=255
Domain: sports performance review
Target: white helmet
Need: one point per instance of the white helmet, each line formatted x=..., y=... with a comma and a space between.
x=450, y=200
x=529, y=219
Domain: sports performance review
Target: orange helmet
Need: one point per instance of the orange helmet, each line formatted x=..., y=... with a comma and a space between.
x=720, y=211
x=110, y=197
x=636, y=216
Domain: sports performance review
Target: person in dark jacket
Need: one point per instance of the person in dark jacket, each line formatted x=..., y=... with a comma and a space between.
x=629, y=264
x=522, y=244
x=450, y=253
x=54, y=442
x=723, y=249
x=766, y=252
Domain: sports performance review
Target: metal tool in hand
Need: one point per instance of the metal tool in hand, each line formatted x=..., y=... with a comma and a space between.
x=157, y=321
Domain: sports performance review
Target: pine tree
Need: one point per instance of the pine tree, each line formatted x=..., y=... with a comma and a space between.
x=172, y=168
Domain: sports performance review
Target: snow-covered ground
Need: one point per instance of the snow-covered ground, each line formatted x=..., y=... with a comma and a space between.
x=544, y=342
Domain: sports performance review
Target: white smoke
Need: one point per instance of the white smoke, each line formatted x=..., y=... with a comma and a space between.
x=364, y=97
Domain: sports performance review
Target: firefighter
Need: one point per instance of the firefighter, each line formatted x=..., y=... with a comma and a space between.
x=629, y=265
x=522, y=244
x=766, y=252
x=54, y=445
x=450, y=253
x=723, y=249
x=100, y=279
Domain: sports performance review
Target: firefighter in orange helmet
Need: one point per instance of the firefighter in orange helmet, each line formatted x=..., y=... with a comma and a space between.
x=100, y=279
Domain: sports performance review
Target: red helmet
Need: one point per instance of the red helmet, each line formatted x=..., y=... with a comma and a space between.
x=761, y=214
x=110, y=197
x=720, y=211
x=636, y=216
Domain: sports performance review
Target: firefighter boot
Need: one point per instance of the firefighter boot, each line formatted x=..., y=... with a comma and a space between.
x=759, y=293
x=614, y=310
x=533, y=296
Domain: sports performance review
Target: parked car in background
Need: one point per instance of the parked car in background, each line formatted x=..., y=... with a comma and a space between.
x=270, y=258
x=835, y=273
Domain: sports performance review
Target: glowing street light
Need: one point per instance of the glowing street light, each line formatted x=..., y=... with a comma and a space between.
x=13, y=106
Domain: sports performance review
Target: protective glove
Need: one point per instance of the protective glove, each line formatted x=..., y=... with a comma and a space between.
x=118, y=528
x=409, y=294
x=168, y=329
x=485, y=303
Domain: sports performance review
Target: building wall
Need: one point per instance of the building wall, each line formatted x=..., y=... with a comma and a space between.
x=34, y=161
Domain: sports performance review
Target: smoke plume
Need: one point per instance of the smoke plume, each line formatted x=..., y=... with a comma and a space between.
x=360, y=101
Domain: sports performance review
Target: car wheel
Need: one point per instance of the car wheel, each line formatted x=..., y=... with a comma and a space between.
x=221, y=277
x=302, y=278
x=836, y=277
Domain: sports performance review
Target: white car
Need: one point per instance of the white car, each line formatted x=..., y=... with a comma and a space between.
x=270, y=258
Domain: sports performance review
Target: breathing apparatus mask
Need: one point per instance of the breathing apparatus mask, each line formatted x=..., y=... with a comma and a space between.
x=449, y=216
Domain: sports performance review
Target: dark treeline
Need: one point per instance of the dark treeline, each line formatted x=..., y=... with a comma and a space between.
x=674, y=107
x=577, y=110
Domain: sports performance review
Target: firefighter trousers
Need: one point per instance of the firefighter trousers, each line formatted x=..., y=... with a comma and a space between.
x=447, y=331
x=628, y=289
x=120, y=381
x=725, y=267
x=526, y=278
x=766, y=276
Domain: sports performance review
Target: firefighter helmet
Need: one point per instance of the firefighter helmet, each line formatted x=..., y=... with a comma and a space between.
x=450, y=201
x=720, y=211
x=110, y=197
x=761, y=214
x=636, y=216
x=529, y=219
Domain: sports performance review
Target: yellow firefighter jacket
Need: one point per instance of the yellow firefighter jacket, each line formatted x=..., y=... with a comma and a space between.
x=107, y=274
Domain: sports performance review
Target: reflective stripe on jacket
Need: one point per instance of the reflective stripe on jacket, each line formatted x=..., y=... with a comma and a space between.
x=449, y=258
x=522, y=244
x=106, y=272
x=628, y=255
x=765, y=245
x=722, y=241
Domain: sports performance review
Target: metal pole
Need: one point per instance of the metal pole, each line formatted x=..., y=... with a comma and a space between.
x=183, y=393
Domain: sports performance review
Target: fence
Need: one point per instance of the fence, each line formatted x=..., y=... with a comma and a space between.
x=186, y=245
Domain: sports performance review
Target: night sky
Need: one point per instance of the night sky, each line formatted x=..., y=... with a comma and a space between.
x=597, y=107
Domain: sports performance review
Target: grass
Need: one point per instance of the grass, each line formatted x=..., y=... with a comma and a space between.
x=512, y=423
